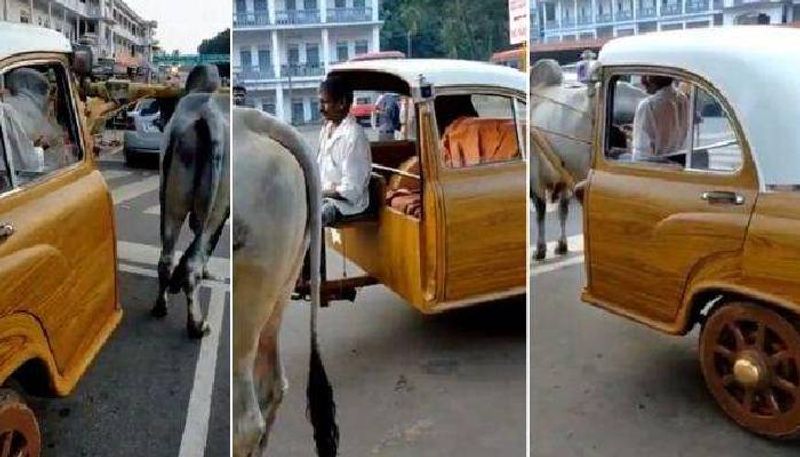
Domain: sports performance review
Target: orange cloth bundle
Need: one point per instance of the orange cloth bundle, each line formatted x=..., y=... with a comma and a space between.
x=471, y=141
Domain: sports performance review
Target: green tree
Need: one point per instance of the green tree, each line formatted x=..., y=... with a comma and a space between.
x=220, y=44
x=462, y=29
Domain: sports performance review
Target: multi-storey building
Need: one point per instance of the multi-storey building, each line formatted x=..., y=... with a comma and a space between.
x=536, y=26
x=585, y=20
x=115, y=29
x=282, y=49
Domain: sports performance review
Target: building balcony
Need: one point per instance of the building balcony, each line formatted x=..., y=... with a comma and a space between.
x=670, y=9
x=349, y=14
x=250, y=19
x=550, y=25
x=302, y=70
x=253, y=73
x=605, y=17
x=297, y=17
x=94, y=11
x=584, y=20
x=646, y=11
x=696, y=6
x=624, y=15
x=567, y=22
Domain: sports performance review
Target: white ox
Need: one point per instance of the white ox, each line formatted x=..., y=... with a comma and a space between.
x=195, y=183
x=276, y=214
x=562, y=117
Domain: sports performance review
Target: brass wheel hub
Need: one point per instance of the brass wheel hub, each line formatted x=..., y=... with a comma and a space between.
x=750, y=370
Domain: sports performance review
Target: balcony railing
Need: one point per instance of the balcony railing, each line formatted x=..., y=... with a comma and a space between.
x=253, y=73
x=605, y=17
x=696, y=6
x=567, y=22
x=349, y=14
x=585, y=20
x=93, y=11
x=250, y=19
x=290, y=17
x=648, y=10
x=302, y=70
x=552, y=24
x=624, y=15
x=670, y=9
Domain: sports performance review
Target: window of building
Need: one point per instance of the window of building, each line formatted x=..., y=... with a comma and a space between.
x=342, y=53
x=269, y=107
x=312, y=54
x=339, y=4
x=358, y=4
x=246, y=58
x=677, y=125
x=294, y=54
x=264, y=59
x=298, y=112
x=362, y=47
x=310, y=4
x=291, y=5
x=38, y=124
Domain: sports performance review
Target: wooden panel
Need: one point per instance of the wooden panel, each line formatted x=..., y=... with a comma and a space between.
x=772, y=252
x=62, y=257
x=485, y=234
x=648, y=230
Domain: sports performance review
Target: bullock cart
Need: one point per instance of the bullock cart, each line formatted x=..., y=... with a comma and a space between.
x=58, y=267
x=446, y=223
x=708, y=234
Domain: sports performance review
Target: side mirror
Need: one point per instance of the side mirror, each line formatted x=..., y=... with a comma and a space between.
x=82, y=60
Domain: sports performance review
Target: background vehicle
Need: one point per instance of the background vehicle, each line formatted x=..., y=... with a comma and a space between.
x=364, y=103
x=142, y=135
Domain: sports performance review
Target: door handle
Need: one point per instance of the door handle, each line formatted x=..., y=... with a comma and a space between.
x=722, y=197
x=6, y=230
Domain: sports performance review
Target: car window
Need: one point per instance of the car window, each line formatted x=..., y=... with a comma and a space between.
x=664, y=121
x=477, y=129
x=386, y=116
x=148, y=107
x=40, y=130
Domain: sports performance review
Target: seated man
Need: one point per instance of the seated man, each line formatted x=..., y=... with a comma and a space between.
x=344, y=158
x=662, y=121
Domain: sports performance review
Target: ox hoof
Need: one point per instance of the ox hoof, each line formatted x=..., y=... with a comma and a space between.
x=197, y=330
x=562, y=248
x=541, y=253
x=159, y=310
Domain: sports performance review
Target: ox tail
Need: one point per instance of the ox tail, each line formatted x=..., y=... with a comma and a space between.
x=201, y=160
x=321, y=407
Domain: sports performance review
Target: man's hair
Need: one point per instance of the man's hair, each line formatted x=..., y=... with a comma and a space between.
x=661, y=82
x=338, y=89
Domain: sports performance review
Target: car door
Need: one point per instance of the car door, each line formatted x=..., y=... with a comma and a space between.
x=482, y=180
x=650, y=222
x=57, y=251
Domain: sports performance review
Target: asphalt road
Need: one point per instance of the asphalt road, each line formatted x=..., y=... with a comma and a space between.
x=407, y=384
x=151, y=391
x=604, y=386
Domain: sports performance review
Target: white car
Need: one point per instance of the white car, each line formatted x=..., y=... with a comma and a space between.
x=142, y=134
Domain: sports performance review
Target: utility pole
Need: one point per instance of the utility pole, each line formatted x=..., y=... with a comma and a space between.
x=408, y=44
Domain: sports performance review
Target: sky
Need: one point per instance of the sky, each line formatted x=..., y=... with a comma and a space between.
x=184, y=24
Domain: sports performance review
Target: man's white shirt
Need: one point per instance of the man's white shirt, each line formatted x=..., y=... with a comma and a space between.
x=661, y=124
x=345, y=164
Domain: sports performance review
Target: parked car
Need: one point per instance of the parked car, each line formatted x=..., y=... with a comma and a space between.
x=143, y=134
x=708, y=235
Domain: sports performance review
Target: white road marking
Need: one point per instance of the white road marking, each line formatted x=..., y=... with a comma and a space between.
x=115, y=174
x=198, y=414
x=554, y=263
x=155, y=210
x=134, y=190
x=147, y=254
x=195, y=432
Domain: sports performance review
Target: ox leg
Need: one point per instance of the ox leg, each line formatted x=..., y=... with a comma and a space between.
x=196, y=325
x=170, y=230
x=218, y=227
x=563, y=212
x=271, y=384
x=541, y=211
x=248, y=423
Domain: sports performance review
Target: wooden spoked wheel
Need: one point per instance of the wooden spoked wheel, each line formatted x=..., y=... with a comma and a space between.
x=19, y=431
x=750, y=357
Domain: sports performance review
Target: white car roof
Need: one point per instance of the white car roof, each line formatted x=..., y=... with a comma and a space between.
x=443, y=72
x=24, y=38
x=754, y=67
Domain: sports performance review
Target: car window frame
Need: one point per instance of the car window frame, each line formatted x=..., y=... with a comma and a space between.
x=604, y=108
x=60, y=61
x=512, y=95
